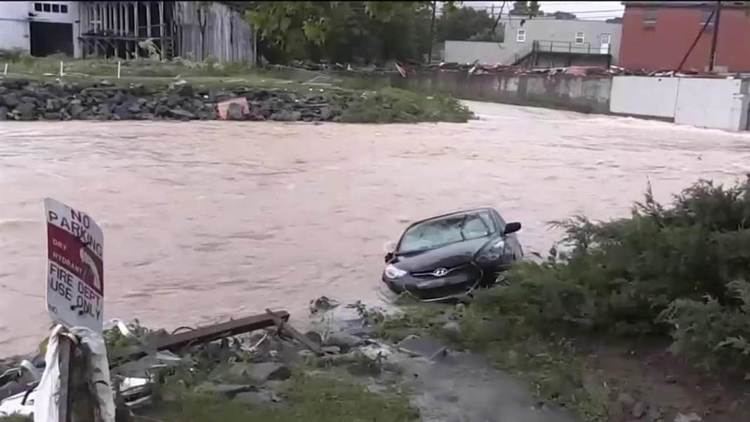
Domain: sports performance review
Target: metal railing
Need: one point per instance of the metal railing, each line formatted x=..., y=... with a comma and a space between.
x=544, y=46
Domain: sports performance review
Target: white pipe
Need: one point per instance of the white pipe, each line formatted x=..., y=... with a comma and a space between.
x=119, y=63
x=61, y=69
x=5, y=70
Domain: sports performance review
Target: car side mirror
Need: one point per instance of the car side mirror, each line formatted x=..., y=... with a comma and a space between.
x=512, y=227
x=388, y=257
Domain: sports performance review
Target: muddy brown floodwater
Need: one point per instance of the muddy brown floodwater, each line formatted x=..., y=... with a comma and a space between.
x=209, y=220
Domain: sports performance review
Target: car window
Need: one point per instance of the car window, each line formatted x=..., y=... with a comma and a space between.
x=488, y=220
x=436, y=233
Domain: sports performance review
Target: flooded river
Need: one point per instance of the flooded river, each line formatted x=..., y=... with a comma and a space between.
x=209, y=220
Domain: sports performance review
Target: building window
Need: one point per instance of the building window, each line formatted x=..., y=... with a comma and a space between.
x=521, y=35
x=50, y=7
x=579, y=38
x=649, y=17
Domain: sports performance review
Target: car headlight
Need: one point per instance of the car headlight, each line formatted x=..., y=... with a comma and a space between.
x=393, y=272
x=494, y=253
x=499, y=245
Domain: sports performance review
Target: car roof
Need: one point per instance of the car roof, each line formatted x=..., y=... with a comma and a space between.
x=437, y=217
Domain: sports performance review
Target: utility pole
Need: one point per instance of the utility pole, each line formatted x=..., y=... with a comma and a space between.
x=717, y=12
x=432, y=32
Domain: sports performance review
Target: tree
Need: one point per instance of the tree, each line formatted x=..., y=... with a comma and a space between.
x=520, y=8
x=526, y=8
x=463, y=24
x=343, y=31
x=534, y=9
x=564, y=15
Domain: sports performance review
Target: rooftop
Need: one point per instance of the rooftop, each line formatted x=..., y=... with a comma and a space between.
x=701, y=4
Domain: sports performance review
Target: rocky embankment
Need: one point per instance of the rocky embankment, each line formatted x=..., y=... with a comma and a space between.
x=26, y=101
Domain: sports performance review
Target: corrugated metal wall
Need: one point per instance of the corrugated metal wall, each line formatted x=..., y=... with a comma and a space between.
x=210, y=29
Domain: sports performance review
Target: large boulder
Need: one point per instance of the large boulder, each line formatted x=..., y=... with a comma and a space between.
x=75, y=108
x=184, y=90
x=9, y=100
x=53, y=104
x=343, y=340
x=25, y=111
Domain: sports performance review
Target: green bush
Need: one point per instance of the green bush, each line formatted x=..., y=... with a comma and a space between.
x=664, y=270
x=712, y=335
x=392, y=105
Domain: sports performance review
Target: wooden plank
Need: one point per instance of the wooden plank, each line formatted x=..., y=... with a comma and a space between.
x=283, y=326
x=209, y=333
x=123, y=23
x=148, y=19
x=136, y=10
x=161, y=29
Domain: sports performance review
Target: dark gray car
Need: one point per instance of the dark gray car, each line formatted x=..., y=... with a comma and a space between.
x=452, y=254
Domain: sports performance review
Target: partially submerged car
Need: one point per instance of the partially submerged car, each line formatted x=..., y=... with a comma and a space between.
x=451, y=255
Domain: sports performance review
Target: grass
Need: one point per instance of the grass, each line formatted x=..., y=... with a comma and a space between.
x=312, y=398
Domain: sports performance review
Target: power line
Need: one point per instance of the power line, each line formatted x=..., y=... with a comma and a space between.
x=582, y=12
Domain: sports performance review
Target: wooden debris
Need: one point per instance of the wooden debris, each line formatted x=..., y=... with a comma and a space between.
x=285, y=327
x=208, y=334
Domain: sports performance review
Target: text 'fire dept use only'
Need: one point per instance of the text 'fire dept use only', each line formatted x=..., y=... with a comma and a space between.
x=75, y=267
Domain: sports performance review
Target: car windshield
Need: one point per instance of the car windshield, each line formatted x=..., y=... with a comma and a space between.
x=440, y=232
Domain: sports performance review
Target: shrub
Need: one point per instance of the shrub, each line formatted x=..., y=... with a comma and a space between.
x=712, y=335
x=664, y=270
x=396, y=105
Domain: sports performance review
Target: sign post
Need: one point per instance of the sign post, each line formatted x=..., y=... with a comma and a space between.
x=75, y=285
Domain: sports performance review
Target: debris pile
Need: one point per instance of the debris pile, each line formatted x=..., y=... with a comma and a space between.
x=245, y=360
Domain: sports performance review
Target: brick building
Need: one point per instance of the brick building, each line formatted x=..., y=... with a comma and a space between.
x=656, y=35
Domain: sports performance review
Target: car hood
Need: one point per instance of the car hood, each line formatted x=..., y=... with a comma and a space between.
x=448, y=256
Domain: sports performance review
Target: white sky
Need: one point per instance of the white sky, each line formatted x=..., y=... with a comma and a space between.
x=596, y=10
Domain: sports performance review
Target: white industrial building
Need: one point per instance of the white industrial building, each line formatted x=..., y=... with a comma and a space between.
x=40, y=28
x=127, y=29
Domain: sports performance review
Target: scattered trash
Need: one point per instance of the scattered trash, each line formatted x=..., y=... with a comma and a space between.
x=21, y=404
x=233, y=109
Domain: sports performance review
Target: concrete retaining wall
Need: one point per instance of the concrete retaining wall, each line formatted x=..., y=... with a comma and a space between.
x=701, y=102
x=585, y=94
x=713, y=103
x=640, y=96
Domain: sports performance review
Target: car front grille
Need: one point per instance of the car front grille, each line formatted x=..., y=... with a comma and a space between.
x=459, y=270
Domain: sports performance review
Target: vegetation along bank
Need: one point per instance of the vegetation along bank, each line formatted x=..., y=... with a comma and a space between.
x=639, y=318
